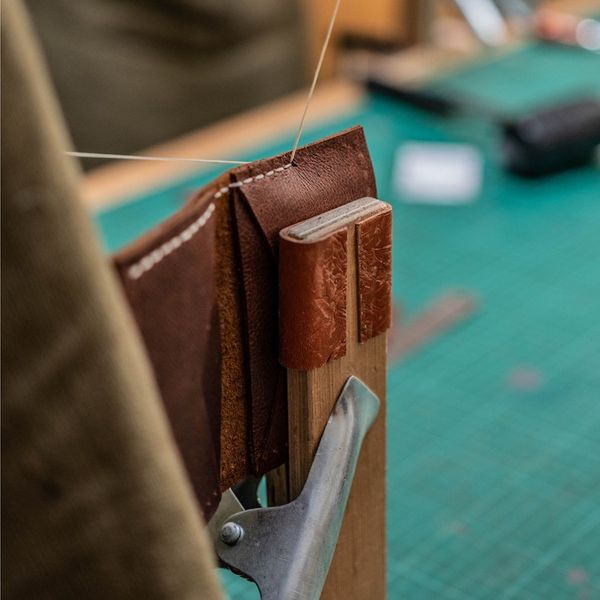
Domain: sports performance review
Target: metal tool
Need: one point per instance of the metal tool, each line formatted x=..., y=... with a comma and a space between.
x=545, y=141
x=483, y=17
x=287, y=550
x=516, y=10
x=485, y=20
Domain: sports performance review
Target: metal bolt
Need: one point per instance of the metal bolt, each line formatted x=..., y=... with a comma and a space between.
x=231, y=533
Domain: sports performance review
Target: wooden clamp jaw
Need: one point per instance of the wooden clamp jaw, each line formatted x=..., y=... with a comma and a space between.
x=335, y=308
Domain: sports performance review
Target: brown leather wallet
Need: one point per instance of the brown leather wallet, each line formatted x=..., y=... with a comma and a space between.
x=222, y=384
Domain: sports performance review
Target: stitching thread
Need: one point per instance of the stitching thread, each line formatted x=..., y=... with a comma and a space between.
x=238, y=184
x=151, y=259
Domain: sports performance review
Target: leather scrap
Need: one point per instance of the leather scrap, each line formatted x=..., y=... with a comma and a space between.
x=325, y=175
x=234, y=412
x=175, y=305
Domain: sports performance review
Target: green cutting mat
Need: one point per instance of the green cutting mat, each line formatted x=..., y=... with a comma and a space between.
x=494, y=429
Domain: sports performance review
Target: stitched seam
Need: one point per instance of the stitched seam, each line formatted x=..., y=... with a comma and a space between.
x=151, y=259
x=238, y=184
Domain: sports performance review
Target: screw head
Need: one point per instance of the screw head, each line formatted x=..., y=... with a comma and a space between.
x=231, y=533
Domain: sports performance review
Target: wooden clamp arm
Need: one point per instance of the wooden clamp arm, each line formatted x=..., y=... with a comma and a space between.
x=335, y=308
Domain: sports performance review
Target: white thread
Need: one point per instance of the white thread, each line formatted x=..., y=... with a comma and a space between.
x=163, y=158
x=151, y=259
x=315, y=78
x=146, y=263
x=238, y=184
x=236, y=162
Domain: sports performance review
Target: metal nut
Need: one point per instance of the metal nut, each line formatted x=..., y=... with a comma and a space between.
x=231, y=533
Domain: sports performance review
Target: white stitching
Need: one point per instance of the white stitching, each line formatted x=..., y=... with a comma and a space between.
x=238, y=184
x=151, y=259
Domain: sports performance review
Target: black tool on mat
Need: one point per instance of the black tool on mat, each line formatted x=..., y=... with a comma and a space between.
x=553, y=139
x=546, y=141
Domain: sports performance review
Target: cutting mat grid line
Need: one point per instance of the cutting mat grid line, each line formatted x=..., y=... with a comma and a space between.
x=494, y=445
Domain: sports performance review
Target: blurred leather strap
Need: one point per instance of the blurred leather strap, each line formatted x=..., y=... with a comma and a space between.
x=95, y=500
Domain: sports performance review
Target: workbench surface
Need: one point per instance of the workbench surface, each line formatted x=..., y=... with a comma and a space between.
x=494, y=427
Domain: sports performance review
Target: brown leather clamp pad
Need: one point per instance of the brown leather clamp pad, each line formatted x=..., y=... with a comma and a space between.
x=313, y=259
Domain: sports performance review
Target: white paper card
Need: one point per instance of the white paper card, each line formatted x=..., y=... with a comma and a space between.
x=438, y=173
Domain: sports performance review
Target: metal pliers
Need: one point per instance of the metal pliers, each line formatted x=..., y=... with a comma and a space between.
x=287, y=550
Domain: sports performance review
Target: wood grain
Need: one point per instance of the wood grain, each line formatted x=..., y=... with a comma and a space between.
x=358, y=568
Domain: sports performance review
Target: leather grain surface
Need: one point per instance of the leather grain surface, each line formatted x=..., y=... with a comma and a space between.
x=312, y=300
x=374, y=239
x=234, y=413
x=313, y=280
x=325, y=175
x=175, y=306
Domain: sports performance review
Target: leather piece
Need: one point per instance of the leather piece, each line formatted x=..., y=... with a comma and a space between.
x=313, y=272
x=234, y=413
x=325, y=175
x=266, y=382
x=374, y=239
x=174, y=303
x=312, y=300
x=171, y=301
x=234, y=447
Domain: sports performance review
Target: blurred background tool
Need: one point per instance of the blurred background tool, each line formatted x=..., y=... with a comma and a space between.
x=446, y=311
x=570, y=30
x=552, y=139
x=438, y=172
x=485, y=20
x=546, y=141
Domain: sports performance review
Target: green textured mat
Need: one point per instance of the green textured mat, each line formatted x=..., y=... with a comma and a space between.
x=494, y=429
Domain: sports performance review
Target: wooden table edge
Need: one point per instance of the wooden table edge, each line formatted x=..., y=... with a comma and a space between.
x=110, y=184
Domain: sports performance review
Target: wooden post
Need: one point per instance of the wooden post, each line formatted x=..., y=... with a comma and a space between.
x=379, y=19
x=419, y=15
x=358, y=570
